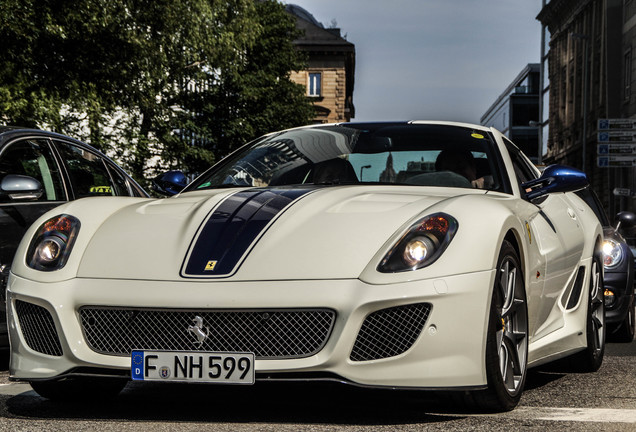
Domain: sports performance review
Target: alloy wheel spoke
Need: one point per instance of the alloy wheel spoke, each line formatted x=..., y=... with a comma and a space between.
x=596, y=283
x=513, y=350
x=507, y=283
x=512, y=370
x=597, y=336
x=504, y=364
x=517, y=304
x=597, y=306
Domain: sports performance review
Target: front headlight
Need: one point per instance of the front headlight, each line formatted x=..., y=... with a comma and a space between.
x=612, y=253
x=52, y=243
x=421, y=245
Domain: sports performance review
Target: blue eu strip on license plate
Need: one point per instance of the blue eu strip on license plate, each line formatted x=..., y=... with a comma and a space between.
x=196, y=366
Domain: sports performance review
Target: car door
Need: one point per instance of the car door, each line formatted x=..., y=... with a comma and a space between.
x=31, y=157
x=563, y=257
x=559, y=239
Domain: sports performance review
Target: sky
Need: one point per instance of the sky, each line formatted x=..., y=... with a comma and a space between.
x=432, y=59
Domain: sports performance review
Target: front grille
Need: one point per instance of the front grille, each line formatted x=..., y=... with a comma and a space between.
x=390, y=332
x=38, y=328
x=269, y=334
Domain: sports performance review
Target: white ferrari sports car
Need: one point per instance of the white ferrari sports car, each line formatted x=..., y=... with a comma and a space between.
x=405, y=255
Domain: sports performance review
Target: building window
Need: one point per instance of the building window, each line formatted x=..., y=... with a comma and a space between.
x=315, y=84
x=545, y=105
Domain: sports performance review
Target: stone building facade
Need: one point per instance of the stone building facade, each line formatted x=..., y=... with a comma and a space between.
x=628, y=107
x=329, y=77
x=584, y=77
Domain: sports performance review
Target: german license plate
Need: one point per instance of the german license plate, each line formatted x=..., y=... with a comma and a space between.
x=197, y=366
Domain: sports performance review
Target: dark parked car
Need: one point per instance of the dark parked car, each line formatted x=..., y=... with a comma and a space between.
x=40, y=170
x=619, y=271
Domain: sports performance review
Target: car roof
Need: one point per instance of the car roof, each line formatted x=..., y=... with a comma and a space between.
x=378, y=124
x=7, y=133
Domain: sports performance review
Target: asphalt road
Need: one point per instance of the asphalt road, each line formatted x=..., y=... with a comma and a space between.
x=553, y=400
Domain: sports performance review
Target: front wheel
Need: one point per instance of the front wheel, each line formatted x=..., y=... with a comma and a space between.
x=507, y=338
x=591, y=358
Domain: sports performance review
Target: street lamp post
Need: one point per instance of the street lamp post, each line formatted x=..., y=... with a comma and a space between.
x=362, y=168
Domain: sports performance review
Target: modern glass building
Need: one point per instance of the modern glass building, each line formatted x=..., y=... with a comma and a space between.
x=516, y=111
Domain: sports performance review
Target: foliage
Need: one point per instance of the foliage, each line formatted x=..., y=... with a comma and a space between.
x=174, y=81
x=258, y=87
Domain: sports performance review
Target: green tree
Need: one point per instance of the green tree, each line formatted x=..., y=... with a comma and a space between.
x=255, y=95
x=171, y=80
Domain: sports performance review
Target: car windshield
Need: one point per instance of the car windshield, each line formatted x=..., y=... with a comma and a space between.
x=392, y=154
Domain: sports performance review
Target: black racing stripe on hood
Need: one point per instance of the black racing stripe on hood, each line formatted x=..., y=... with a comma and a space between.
x=234, y=226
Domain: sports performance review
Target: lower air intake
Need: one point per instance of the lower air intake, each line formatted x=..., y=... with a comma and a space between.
x=38, y=328
x=390, y=332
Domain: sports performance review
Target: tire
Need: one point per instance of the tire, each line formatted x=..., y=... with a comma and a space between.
x=591, y=358
x=625, y=331
x=507, y=340
x=79, y=389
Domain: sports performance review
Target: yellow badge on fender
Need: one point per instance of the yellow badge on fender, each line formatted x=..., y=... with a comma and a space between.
x=210, y=266
x=529, y=232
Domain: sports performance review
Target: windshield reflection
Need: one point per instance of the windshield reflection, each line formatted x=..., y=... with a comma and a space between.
x=392, y=154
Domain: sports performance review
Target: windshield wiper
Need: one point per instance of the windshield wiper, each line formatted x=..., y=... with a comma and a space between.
x=337, y=182
x=223, y=186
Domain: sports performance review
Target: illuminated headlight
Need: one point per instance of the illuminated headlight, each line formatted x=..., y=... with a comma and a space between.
x=417, y=249
x=612, y=253
x=421, y=245
x=52, y=243
x=49, y=250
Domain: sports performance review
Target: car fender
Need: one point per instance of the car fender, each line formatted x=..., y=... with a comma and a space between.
x=91, y=212
x=484, y=221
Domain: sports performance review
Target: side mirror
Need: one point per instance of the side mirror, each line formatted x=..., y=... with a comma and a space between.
x=625, y=219
x=169, y=183
x=555, y=178
x=20, y=188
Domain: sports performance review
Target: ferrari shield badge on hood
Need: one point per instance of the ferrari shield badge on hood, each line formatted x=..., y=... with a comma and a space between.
x=233, y=227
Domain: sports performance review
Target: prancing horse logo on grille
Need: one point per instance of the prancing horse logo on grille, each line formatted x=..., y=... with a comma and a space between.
x=199, y=331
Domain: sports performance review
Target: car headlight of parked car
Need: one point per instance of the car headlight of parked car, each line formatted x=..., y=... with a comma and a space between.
x=612, y=253
x=53, y=242
x=421, y=245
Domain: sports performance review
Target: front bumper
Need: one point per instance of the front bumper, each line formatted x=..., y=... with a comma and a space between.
x=4, y=334
x=623, y=290
x=448, y=353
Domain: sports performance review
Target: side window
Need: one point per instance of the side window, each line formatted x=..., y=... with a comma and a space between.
x=34, y=158
x=523, y=168
x=119, y=180
x=88, y=173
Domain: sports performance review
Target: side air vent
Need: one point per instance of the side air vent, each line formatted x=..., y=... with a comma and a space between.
x=577, y=289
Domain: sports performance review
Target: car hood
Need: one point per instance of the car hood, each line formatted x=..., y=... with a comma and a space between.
x=255, y=234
